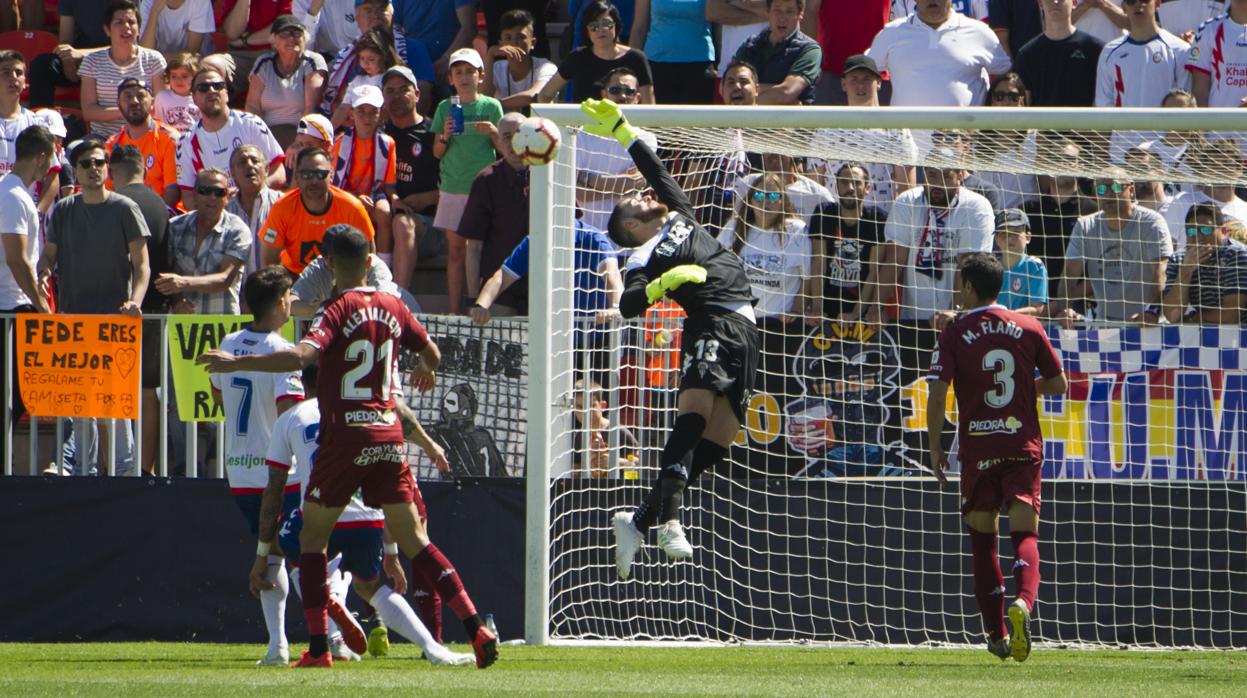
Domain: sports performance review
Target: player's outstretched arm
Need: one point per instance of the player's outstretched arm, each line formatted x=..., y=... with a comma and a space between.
x=610, y=123
x=296, y=359
x=937, y=397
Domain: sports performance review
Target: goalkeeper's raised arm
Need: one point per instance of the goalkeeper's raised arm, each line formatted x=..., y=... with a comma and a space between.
x=675, y=256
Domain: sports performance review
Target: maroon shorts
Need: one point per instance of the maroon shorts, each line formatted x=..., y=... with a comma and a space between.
x=378, y=469
x=987, y=485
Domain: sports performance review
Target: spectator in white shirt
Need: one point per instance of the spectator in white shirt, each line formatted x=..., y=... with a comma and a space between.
x=738, y=20
x=514, y=75
x=1218, y=161
x=1141, y=67
x=1183, y=17
x=974, y=9
x=170, y=26
x=938, y=57
x=330, y=23
x=1103, y=19
x=1218, y=59
x=932, y=226
x=604, y=172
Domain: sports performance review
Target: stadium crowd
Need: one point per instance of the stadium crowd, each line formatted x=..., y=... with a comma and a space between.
x=195, y=141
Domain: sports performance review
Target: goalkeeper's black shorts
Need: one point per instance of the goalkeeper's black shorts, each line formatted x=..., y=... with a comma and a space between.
x=719, y=352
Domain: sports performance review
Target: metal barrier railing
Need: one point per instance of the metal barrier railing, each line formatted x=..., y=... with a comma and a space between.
x=82, y=465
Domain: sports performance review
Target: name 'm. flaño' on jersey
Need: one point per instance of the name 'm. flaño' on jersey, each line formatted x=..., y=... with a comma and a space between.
x=358, y=335
x=683, y=240
x=250, y=399
x=990, y=356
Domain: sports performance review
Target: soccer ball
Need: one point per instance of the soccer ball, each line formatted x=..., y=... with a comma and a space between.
x=536, y=141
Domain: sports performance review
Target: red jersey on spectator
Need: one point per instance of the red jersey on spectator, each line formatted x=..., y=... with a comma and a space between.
x=990, y=356
x=846, y=28
x=358, y=335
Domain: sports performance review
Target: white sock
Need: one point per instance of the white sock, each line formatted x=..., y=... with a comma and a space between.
x=274, y=603
x=396, y=614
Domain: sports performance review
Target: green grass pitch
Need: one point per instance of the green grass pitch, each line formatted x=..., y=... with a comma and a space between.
x=169, y=669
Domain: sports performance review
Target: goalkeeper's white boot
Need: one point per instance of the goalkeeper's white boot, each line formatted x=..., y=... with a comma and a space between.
x=672, y=541
x=1020, y=618
x=627, y=543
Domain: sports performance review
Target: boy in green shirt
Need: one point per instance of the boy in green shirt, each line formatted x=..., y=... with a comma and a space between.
x=463, y=155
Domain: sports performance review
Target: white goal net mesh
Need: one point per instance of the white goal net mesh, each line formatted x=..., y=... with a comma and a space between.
x=825, y=526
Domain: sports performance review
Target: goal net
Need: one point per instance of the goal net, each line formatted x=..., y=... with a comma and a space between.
x=826, y=526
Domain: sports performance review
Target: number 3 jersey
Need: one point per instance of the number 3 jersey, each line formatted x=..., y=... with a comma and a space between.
x=990, y=356
x=250, y=399
x=358, y=335
x=293, y=449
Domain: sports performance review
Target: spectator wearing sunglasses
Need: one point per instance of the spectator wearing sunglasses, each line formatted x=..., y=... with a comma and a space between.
x=1207, y=282
x=296, y=225
x=209, y=247
x=604, y=172
x=773, y=242
x=219, y=132
x=601, y=51
x=97, y=245
x=1119, y=252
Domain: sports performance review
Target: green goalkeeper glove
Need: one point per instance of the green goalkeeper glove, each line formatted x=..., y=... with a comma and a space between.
x=609, y=121
x=674, y=278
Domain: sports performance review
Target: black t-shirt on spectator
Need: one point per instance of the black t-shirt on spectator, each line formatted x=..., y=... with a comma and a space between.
x=583, y=69
x=416, y=169
x=156, y=215
x=1060, y=73
x=1021, y=18
x=1051, y=225
x=846, y=253
x=88, y=18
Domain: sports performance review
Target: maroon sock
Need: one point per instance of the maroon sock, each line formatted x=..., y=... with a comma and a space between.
x=439, y=572
x=428, y=605
x=989, y=582
x=1026, y=566
x=313, y=586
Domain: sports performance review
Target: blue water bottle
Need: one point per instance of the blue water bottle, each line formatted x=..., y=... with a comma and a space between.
x=456, y=116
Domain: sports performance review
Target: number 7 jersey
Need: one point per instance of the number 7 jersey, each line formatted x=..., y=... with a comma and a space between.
x=358, y=335
x=990, y=356
x=250, y=399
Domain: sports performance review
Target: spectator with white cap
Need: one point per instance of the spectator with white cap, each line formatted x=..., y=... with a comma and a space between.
x=938, y=57
x=313, y=131
x=288, y=81
x=58, y=175
x=463, y=155
x=417, y=173
x=365, y=165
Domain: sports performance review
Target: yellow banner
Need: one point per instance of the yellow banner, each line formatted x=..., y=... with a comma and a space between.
x=79, y=365
x=190, y=336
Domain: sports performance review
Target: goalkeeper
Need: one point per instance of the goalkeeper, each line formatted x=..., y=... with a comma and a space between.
x=675, y=257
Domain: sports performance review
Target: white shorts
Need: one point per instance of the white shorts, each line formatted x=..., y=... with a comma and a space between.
x=449, y=210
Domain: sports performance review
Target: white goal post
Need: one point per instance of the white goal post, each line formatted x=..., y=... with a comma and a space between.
x=842, y=537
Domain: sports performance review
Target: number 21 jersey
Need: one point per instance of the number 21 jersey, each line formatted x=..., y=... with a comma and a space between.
x=359, y=334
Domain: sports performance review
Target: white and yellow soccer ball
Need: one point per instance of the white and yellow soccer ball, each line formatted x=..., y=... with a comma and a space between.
x=536, y=141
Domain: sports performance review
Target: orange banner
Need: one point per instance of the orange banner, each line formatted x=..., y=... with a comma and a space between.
x=79, y=365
